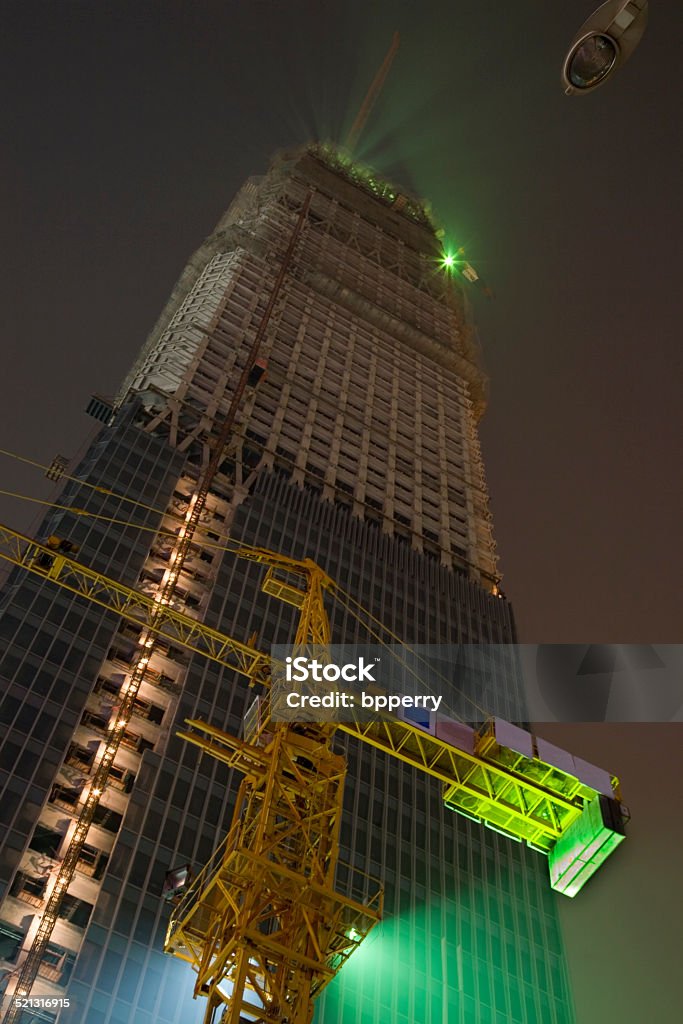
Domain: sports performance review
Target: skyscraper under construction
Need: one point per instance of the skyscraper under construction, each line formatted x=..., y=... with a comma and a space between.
x=317, y=335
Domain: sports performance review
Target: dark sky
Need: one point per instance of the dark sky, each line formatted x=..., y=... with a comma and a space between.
x=128, y=126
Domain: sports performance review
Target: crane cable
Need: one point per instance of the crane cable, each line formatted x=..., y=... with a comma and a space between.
x=75, y=510
x=126, y=522
x=73, y=479
x=344, y=598
x=339, y=595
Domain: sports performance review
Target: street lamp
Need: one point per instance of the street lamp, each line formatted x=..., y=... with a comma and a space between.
x=603, y=43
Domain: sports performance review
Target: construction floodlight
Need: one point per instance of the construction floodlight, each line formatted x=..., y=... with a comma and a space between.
x=603, y=44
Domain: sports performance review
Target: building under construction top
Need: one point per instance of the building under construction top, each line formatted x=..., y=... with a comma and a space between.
x=374, y=383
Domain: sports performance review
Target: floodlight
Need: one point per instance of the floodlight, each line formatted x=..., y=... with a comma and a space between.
x=603, y=43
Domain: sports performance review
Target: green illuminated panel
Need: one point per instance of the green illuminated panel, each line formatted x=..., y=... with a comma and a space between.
x=454, y=958
x=499, y=817
x=586, y=844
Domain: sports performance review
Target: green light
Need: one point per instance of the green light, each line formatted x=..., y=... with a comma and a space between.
x=448, y=261
x=585, y=845
x=354, y=935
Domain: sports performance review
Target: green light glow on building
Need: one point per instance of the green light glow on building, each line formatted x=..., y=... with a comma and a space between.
x=585, y=845
x=465, y=956
x=401, y=968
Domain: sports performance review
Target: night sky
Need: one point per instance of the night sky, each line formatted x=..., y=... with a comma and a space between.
x=127, y=128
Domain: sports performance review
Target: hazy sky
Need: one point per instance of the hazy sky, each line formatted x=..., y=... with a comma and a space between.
x=128, y=126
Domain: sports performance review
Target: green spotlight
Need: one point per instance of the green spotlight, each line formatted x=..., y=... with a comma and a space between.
x=448, y=261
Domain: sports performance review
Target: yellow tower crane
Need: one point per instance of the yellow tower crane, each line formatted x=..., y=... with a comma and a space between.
x=263, y=925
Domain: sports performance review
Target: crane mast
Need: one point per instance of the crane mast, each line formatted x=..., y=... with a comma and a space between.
x=371, y=96
x=263, y=925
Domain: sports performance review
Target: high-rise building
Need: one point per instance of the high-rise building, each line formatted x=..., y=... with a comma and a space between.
x=355, y=444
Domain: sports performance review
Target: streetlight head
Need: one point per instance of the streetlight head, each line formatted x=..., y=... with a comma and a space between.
x=591, y=60
x=602, y=44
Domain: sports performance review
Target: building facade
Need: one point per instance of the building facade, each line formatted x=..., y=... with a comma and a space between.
x=358, y=448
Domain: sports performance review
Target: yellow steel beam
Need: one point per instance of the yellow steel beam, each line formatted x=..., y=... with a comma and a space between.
x=140, y=608
x=514, y=800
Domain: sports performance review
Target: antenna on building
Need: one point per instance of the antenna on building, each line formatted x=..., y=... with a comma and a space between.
x=371, y=96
